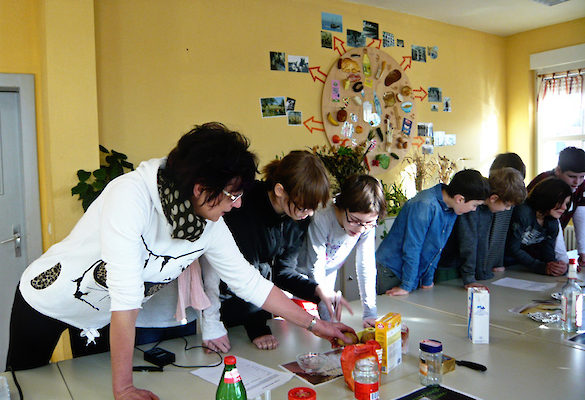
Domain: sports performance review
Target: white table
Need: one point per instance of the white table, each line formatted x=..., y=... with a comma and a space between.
x=524, y=361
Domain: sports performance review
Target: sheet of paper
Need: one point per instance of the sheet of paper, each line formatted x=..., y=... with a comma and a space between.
x=524, y=284
x=256, y=377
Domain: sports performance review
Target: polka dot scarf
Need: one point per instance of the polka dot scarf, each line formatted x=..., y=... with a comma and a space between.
x=180, y=214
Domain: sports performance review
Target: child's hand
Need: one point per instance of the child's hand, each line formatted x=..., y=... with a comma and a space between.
x=428, y=287
x=396, y=291
x=556, y=268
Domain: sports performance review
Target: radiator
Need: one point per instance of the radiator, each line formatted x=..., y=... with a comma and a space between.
x=570, y=240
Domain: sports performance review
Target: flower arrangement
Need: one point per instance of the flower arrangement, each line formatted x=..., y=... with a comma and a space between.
x=445, y=168
x=424, y=166
x=342, y=161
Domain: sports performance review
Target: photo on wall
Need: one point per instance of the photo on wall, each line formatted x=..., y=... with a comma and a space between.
x=298, y=64
x=370, y=29
x=326, y=40
x=355, y=38
x=272, y=107
x=331, y=22
x=419, y=53
x=435, y=95
x=387, y=39
x=277, y=61
x=294, y=117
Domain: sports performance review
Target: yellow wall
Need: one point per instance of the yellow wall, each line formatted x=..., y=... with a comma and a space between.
x=151, y=69
x=520, y=89
x=165, y=66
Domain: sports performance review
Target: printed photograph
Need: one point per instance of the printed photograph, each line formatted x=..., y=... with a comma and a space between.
x=439, y=139
x=427, y=149
x=399, y=43
x=433, y=52
x=425, y=129
x=387, y=39
x=435, y=95
x=370, y=29
x=294, y=117
x=355, y=38
x=326, y=40
x=298, y=64
x=447, y=104
x=331, y=22
x=450, y=139
x=419, y=53
x=434, y=107
x=290, y=104
x=272, y=107
x=277, y=61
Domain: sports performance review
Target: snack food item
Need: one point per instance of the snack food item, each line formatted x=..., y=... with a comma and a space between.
x=393, y=76
x=354, y=339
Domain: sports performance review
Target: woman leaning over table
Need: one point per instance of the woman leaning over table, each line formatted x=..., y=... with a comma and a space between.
x=143, y=230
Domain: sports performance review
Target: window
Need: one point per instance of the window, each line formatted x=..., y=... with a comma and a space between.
x=560, y=111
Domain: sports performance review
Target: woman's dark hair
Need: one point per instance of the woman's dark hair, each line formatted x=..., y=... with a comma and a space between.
x=302, y=175
x=362, y=194
x=572, y=159
x=470, y=184
x=548, y=194
x=511, y=160
x=214, y=157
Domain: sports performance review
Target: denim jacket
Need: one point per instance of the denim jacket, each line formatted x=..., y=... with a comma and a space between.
x=413, y=246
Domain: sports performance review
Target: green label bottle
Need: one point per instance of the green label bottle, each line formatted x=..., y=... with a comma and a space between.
x=230, y=386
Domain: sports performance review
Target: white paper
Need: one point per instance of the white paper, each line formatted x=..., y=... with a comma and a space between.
x=256, y=377
x=524, y=284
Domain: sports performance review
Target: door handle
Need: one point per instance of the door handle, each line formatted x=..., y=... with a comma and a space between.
x=16, y=239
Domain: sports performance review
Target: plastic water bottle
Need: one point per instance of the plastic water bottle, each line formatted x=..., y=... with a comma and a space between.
x=230, y=386
x=571, y=301
x=366, y=376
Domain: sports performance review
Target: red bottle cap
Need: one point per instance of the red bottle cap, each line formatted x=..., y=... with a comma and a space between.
x=302, y=393
x=229, y=360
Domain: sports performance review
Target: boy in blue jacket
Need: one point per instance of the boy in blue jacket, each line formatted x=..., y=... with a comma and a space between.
x=407, y=258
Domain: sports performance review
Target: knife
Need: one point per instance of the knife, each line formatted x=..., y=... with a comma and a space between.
x=472, y=365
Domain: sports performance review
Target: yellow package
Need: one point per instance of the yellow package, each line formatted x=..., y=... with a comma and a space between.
x=388, y=335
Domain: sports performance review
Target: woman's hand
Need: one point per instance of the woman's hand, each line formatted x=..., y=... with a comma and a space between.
x=333, y=303
x=331, y=331
x=221, y=344
x=132, y=393
x=396, y=291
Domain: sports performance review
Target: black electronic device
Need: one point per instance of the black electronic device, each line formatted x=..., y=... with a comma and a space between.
x=158, y=356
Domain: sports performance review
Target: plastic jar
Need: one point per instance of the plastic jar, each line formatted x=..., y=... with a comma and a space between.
x=431, y=358
x=366, y=376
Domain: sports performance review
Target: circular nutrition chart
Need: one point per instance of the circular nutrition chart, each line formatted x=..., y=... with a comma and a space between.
x=367, y=98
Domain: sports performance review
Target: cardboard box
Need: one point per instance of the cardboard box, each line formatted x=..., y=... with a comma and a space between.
x=448, y=364
x=388, y=334
x=478, y=315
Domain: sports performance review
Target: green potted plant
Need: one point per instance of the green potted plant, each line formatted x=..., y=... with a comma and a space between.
x=395, y=199
x=112, y=164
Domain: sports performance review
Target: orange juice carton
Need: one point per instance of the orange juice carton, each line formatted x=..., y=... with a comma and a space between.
x=388, y=334
x=478, y=315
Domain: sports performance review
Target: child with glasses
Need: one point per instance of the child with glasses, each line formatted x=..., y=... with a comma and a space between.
x=347, y=223
x=268, y=228
x=407, y=257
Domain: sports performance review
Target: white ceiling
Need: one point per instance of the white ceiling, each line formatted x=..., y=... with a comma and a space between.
x=498, y=17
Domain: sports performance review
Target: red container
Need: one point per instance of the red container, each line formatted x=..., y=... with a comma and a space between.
x=302, y=393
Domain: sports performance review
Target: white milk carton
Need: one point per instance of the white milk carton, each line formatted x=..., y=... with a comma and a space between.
x=478, y=315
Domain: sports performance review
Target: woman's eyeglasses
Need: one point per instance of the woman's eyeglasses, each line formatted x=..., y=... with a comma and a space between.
x=233, y=197
x=354, y=222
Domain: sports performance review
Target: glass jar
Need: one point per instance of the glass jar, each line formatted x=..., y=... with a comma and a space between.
x=366, y=376
x=431, y=359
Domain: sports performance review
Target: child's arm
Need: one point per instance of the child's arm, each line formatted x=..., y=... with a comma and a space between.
x=365, y=265
x=468, y=239
x=418, y=221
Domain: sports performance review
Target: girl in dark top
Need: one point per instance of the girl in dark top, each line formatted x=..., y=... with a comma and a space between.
x=269, y=229
x=535, y=226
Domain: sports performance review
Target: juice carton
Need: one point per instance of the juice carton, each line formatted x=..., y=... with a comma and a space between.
x=388, y=334
x=478, y=315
